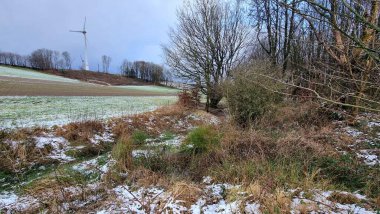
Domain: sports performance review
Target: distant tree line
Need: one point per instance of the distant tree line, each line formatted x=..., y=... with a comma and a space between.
x=44, y=59
x=147, y=71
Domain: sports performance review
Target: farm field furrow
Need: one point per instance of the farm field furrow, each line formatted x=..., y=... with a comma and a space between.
x=20, y=112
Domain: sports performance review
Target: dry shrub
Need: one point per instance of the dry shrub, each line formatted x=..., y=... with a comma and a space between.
x=189, y=98
x=80, y=131
x=343, y=198
x=187, y=193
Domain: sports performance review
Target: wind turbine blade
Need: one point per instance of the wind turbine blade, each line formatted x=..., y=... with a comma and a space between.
x=76, y=31
x=84, y=25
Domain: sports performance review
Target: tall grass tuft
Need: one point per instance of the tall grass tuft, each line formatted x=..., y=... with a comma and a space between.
x=122, y=153
x=200, y=140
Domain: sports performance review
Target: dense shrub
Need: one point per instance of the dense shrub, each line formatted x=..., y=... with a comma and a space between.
x=249, y=96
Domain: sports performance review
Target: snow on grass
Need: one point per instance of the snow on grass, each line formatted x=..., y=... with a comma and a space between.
x=353, y=132
x=21, y=112
x=10, y=201
x=59, y=147
x=156, y=200
x=369, y=157
x=105, y=137
x=150, y=88
x=30, y=74
x=320, y=200
x=99, y=164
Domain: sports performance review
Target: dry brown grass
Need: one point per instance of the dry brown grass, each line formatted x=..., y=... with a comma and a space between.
x=80, y=131
x=185, y=192
x=305, y=208
x=343, y=198
x=294, y=116
x=156, y=122
x=15, y=159
x=146, y=178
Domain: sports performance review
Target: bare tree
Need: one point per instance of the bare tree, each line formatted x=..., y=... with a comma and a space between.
x=106, y=61
x=330, y=48
x=42, y=59
x=207, y=44
x=67, y=60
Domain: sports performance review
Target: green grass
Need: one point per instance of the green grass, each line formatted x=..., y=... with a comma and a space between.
x=200, y=140
x=139, y=137
x=167, y=136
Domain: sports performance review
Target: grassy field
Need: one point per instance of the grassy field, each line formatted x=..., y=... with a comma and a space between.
x=22, y=82
x=16, y=112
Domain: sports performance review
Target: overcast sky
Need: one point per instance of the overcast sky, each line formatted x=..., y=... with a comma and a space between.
x=122, y=29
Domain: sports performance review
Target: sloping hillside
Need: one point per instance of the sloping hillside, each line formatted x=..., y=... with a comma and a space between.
x=97, y=77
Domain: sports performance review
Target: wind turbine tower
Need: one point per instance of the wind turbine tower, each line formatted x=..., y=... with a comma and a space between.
x=85, y=65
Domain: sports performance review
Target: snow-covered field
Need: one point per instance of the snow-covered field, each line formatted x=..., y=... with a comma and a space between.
x=17, y=112
x=30, y=74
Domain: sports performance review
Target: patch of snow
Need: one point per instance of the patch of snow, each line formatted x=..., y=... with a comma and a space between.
x=7, y=199
x=207, y=180
x=59, y=145
x=320, y=199
x=92, y=166
x=252, y=208
x=353, y=132
x=11, y=202
x=141, y=153
x=106, y=137
x=369, y=159
x=176, y=141
x=12, y=143
x=373, y=124
x=55, y=142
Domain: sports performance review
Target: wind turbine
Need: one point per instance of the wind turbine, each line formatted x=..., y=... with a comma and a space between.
x=84, y=32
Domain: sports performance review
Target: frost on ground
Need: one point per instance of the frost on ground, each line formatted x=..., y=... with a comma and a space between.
x=30, y=74
x=15, y=112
